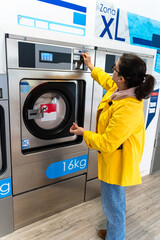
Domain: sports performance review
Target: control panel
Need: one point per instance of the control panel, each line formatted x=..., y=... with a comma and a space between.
x=34, y=55
x=78, y=61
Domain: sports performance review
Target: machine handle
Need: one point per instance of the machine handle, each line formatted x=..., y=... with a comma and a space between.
x=3, y=160
x=35, y=113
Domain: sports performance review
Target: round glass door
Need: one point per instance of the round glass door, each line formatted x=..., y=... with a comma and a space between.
x=53, y=108
x=49, y=110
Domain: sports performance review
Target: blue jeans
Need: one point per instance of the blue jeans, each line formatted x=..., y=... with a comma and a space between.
x=114, y=207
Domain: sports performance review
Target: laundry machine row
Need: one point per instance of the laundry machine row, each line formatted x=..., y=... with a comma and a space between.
x=49, y=88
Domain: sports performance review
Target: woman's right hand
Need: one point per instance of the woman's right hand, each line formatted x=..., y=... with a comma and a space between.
x=75, y=129
x=87, y=60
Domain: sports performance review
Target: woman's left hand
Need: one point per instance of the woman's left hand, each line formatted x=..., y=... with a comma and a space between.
x=75, y=129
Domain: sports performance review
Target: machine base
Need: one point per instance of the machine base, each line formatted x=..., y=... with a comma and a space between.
x=43, y=202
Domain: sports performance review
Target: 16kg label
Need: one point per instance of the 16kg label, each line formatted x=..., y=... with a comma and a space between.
x=65, y=167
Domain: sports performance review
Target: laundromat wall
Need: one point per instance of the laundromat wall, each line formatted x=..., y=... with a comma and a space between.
x=38, y=88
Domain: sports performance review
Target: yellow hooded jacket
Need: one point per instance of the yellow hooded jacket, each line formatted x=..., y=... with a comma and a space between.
x=120, y=123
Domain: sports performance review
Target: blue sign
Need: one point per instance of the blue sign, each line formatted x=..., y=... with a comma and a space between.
x=143, y=31
x=109, y=23
x=157, y=63
x=62, y=168
x=25, y=143
x=65, y=4
x=5, y=187
x=152, y=106
x=75, y=24
x=24, y=87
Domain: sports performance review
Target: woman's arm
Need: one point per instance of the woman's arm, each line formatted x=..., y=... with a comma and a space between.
x=103, y=78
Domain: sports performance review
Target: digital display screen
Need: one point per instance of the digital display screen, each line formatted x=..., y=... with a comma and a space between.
x=46, y=57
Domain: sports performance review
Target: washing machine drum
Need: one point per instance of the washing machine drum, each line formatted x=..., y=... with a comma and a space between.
x=49, y=110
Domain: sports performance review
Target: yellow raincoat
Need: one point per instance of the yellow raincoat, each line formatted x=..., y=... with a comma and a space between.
x=120, y=123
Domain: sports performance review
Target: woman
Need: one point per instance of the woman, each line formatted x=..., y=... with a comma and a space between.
x=119, y=138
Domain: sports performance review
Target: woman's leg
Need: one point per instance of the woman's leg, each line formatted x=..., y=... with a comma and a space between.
x=114, y=207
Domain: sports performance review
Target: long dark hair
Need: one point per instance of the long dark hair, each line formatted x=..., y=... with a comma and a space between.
x=133, y=69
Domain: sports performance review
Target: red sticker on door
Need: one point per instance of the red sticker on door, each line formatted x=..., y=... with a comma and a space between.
x=48, y=108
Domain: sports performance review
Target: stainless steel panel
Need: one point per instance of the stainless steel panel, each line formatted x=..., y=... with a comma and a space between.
x=97, y=96
x=47, y=41
x=157, y=137
x=156, y=160
x=92, y=165
x=97, y=89
x=6, y=216
x=33, y=175
x=53, y=49
x=93, y=189
x=3, y=87
x=14, y=78
x=100, y=59
x=38, y=204
x=12, y=51
x=155, y=163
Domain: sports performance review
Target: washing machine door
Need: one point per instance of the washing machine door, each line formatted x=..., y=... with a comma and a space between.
x=49, y=110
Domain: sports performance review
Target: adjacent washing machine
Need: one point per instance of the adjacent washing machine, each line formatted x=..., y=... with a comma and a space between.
x=49, y=89
x=106, y=58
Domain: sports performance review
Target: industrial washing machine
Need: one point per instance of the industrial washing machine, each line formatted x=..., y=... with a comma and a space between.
x=49, y=89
